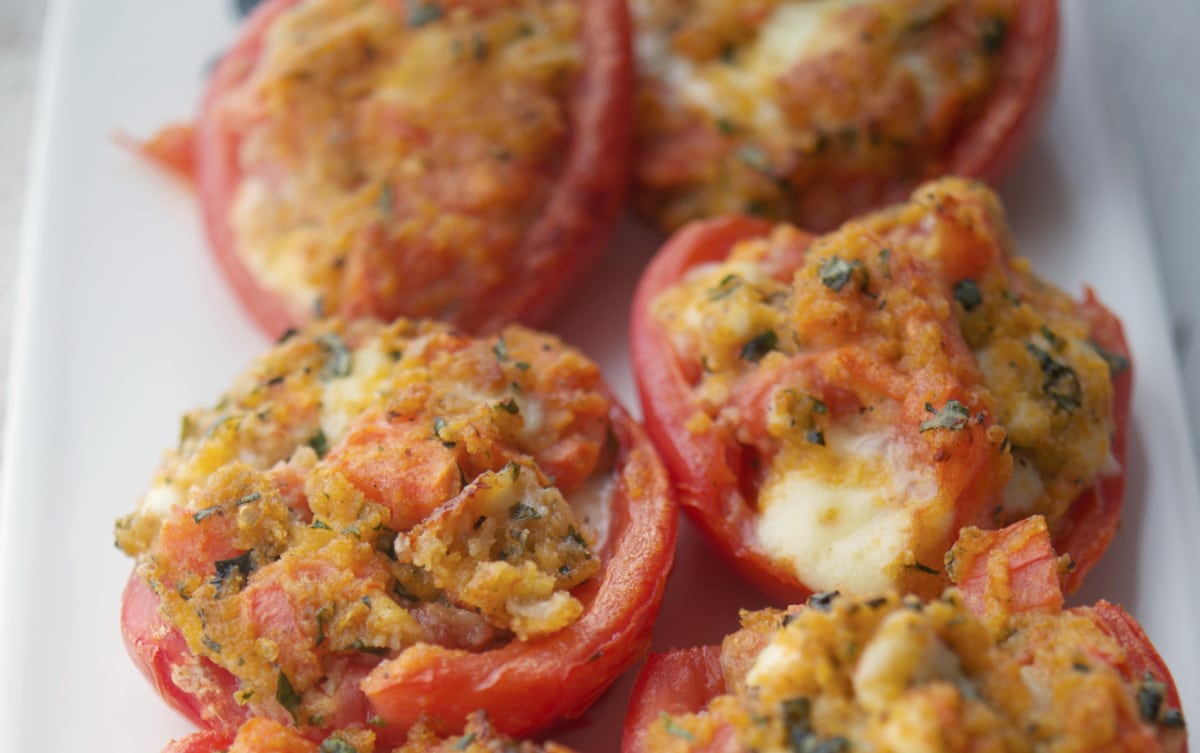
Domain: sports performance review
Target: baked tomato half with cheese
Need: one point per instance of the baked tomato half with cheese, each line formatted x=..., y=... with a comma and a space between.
x=398, y=523
x=835, y=409
x=259, y=735
x=892, y=673
x=435, y=158
x=813, y=111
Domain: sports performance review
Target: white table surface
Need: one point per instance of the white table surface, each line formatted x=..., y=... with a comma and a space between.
x=1150, y=59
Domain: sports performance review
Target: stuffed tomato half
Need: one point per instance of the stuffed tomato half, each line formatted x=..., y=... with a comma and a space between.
x=996, y=664
x=396, y=523
x=259, y=735
x=456, y=160
x=835, y=409
x=813, y=111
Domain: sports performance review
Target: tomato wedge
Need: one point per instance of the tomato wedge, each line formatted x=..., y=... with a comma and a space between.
x=1144, y=715
x=422, y=243
x=740, y=111
x=290, y=578
x=713, y=394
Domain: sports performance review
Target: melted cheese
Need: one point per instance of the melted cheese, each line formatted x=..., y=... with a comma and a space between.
x=848, y=524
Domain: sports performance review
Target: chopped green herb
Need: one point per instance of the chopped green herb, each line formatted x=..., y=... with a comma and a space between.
x=992, y=33
x=462, y=742
x=966, y=292
x=500, y=349
x=1059, y=381
x=1055, y=341
x=210, y=644
x=288, y=334
x=522, y=365
x=205, y=512
x=320, y=524
x=241, y=565
x=337, y=745
x=377, y=721
x=727, y=285
x=1150, y=696
x=917, y=565
x=319, y=443
x=818, y=406
x=1173, y=718
x=522, y=511
x=725, y=126
x=287, y=696
x=323, y=615
x=816, y=437
x=761, y=345
x=822, y=601
x=674, y=729
x=439, y=424
x=337, y=363
x=386, y=201
x=835, y=273
x=885, y=260
x=421, y=12
x=754, y=158
x=1115, y=361
x=509, y=406
x=576, y=536
x=952, y=416
x=358, y=645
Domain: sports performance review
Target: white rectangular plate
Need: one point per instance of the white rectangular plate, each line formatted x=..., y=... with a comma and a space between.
x=123, y=324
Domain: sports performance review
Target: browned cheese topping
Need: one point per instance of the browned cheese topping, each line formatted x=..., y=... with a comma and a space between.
x=399, y=151
x=803, y=109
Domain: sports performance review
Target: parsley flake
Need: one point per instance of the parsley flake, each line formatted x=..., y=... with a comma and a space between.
x=953, y=416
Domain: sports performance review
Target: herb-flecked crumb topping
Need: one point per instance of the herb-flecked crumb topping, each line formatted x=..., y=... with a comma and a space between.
x=358, y=490
x=893, y=673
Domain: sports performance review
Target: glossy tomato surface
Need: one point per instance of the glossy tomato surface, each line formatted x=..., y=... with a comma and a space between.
x=554, y=250
x=523, y=686
x=709, y=467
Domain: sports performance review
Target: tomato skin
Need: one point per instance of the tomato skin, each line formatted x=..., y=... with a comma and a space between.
x=705, y=466
x=523, y=686
x=676, y=682
x=567, y=238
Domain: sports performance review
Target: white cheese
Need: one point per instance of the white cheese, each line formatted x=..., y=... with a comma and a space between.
x=847, y=526
x=345, y=398
x=159, y=501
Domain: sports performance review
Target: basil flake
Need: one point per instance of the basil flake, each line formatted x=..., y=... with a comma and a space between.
x=953, y=416
x=337, y=361
x=835, y=273
x=1059, y=381
x=761, y=345
x=287, y=696
x=674, y=729
x=967, y=293
x=337, y=745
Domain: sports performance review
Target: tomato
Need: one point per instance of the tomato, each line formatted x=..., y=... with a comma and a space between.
x=730, y=120
x=383, y=277
x=717, y=462
x=264, y=736
x=1013, y=569
x=325, y=523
